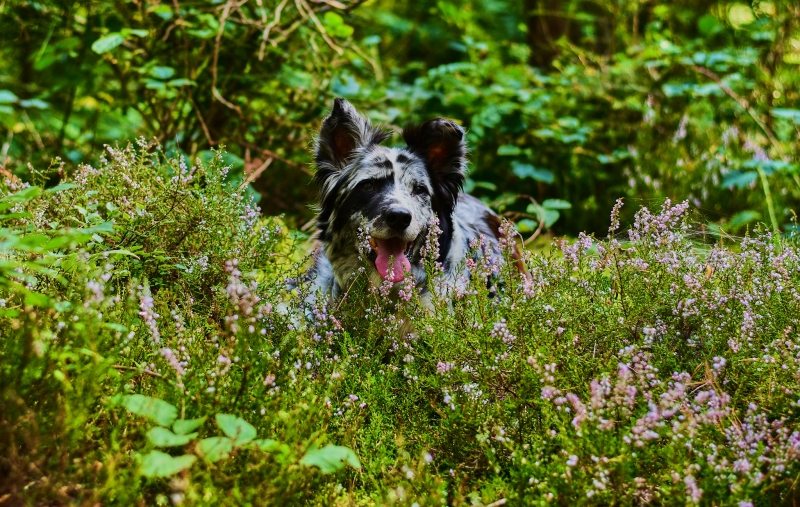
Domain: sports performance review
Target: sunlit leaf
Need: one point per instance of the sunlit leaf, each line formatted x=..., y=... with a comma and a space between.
x=508, y=149
x=742, y=218
x=159, y=411
x=556, y=204
x=160, y=72
x=738, y=179
x=236, y=428
x=177, y=83
x=161, y=464
x=330, y=458
x=62, y=187
x=162, y=437
x=523, y=170
x=215, y=448
x=107, y=43
x=184, y=426
x=7, y=97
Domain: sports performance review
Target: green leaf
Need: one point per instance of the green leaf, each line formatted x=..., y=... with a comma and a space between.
x=556, y=204
x=153, y=84
x=236, y=428
x=34, y=103
x=162, y=437
x=788, y=114
x=37, y=299
x=528, y=171
x=508, y=149
x=61, y=188
x=162, y=11
x=177, y=83
x=526, y=225
x=742, y=218
x=184, y=426
x=740, y=14
x=267, y=444
x=161, y=464
x=159, y=411
x=708, y=25
x=7, y=97
x=335, y=25
x=159, y=72
x=738, y=179
x=372, y=40
x=215, y=448
x=107, y=43
x=548, y=216
x=330, y=458
x=488, y=185
x=134, y=31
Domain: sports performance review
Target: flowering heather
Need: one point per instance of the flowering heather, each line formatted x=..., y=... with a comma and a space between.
x=643, y=368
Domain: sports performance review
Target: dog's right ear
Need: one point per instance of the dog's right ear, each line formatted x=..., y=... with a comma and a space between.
x=343, y=132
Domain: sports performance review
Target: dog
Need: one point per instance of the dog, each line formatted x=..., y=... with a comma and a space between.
x=393, y=197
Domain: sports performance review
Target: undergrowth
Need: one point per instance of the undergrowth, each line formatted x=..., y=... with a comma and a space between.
x=151, y=353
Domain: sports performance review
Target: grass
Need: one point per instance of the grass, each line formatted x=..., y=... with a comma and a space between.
x=151, y=354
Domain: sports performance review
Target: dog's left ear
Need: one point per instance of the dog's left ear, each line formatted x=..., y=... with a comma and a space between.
x=343, y=132
x=440, y=143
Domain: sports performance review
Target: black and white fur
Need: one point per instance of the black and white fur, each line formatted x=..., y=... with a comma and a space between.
x=394, y=193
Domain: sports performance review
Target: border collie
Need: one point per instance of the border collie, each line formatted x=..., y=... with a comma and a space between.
x=384, y=202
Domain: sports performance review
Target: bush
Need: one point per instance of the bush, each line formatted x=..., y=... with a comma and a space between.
x=578, y=101
x=152, y=353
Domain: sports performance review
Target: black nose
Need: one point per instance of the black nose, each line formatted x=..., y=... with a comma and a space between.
x=398, y=218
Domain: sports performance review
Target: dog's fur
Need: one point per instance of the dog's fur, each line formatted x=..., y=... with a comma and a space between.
x=392, y=196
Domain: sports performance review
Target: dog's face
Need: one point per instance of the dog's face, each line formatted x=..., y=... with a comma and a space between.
x=389, y=195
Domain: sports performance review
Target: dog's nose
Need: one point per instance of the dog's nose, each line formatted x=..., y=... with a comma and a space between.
x=398, y=219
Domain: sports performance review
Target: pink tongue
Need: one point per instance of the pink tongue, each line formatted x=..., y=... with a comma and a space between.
x=391, y=248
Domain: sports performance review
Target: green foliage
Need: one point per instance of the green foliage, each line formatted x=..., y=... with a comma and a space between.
x=330, y=458
x=580, y=101
x=158, y=410
x=658, y=368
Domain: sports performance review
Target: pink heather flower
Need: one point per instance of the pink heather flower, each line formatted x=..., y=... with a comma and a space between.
x=146, y=304
x=692, y=489
x=442, y=368
x=173, y=360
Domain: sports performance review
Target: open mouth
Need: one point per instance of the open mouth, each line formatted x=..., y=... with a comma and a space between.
x=392, y=257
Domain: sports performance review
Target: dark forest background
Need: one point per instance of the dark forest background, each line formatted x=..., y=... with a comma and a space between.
x=569, y=105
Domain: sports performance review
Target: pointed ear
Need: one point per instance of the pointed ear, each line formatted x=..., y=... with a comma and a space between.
x=440, y=143
x=342, y=133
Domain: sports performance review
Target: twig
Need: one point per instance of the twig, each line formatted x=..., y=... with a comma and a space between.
x=770, y=135
x=308, y=225
x=539, y=218
x=202, y=122
x=742, y=103
x=301, y=4
x=137, y=370
x=225, y=13
x=332, y=3
x=275, y=20
x=498, y=503
x=274, y=155
x=28, y=123
x=375, y=67
x=255, y=174
x=6, y=147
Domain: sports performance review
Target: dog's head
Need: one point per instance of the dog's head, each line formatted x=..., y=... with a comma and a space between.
x=395, y=192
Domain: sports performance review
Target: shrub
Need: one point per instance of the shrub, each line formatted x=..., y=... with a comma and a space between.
x=654, y=369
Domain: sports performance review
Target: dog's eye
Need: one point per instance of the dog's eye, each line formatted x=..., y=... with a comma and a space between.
x=367, y=185
x=420, y=190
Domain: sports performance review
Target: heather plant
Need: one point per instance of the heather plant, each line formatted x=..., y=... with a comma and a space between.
x=153, y=351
